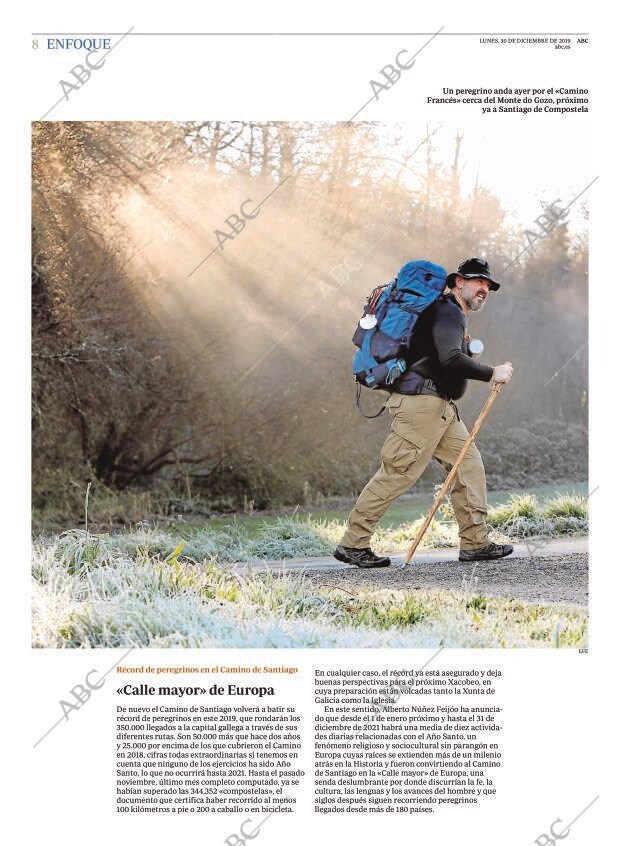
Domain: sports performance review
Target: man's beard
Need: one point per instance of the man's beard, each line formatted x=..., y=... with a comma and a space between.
x=473, y=303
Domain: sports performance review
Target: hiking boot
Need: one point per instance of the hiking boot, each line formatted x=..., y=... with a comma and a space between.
x=486, y=553
x=361, y=557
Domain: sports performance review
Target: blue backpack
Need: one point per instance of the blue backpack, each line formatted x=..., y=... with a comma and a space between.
x=384, y=331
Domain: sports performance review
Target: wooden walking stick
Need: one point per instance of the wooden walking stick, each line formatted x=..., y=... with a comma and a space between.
x=450, y=477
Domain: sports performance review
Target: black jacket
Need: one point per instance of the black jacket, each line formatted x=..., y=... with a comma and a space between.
x=438, y=351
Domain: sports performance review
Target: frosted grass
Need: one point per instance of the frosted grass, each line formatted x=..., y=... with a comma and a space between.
x=87, y=593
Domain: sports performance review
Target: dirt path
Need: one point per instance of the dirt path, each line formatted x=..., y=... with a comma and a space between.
x=556, y=571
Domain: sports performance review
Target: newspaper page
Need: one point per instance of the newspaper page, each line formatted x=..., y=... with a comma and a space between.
x=315, y=443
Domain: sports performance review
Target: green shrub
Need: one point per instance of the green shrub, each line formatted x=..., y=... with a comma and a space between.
x=518, y=505
x=569, y=505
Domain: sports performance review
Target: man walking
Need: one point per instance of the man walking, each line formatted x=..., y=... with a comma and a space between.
x=426, y=424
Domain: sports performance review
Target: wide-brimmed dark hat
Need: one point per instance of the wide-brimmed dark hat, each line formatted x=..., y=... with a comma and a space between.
x=473, y=268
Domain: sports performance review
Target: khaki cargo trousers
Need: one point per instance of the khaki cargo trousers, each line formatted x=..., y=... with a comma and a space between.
x=423, y=427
